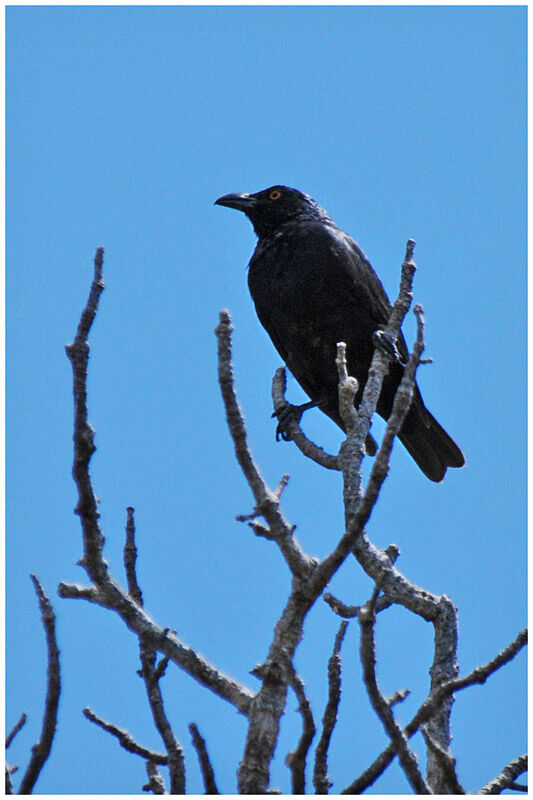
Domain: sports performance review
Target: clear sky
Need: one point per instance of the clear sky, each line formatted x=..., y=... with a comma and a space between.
x=124, y=125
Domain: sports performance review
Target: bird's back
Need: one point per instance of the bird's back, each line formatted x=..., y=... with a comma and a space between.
x=313, y=287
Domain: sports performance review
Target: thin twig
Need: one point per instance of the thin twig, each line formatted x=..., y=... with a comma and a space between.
x=16, y=729
x=402, y=402
x=321, y=779
x=296, y=759
x=506, y=777
x=278, y=491
x=151, y=676
x=267, y=503
x=349, y=612
x=480, y=674
x=41, y=750
x=150, y=673
x=208, y=773
x=166, y=641
x=398, y=739
x=398, y=697
x=130, y=558
x=84, y=447
x=125, y=739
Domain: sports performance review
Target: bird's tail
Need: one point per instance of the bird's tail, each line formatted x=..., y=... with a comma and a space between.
x=428, y=443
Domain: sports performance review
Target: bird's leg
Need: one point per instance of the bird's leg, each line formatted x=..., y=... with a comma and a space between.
x=289, y=413
x=388, y=345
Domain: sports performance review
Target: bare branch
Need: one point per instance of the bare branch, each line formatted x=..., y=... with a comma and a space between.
x=428, y=707
x=267, y=503
x=381, y=707
x=162, y=639
x=348, y=387
x=208, y=774
x=84, y=447
x=151, y=676
x=398, y=697
x=378, y=564
x=440, y=776
x=296, y=759
x=130, y=558
x=76, y=591
x=155, y=784
x=480, y=674
x=41, y=750
x=379, y=366
x=125, y=739
x=20, y=724
x=305, y=445
x=446, y=761
x=321, y=779
x=402, y=401
x=108, y=593
x=349, y=612
x=506, y=777
x=278, y=491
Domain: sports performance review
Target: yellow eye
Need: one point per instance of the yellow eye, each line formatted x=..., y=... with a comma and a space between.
x=275, y=195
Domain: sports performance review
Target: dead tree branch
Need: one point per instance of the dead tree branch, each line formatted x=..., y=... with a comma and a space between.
x=106, y=591
x=296, y=760
x=125, y=739
x=430, y=704
x=382, y=708
x=20, y=724
x=206, y=768
x=506, y=777
x=151, y=674
x=130, y=558
x=446, y=761
x=267, y=502
x=41, y=750
x=321, y=779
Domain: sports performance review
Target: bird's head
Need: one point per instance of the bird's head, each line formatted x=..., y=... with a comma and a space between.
x=271, y=208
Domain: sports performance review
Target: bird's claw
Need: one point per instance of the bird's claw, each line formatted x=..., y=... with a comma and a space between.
x=388, y=346
x=286, y=414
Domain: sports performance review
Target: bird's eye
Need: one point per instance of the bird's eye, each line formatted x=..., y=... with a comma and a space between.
x=275, y=195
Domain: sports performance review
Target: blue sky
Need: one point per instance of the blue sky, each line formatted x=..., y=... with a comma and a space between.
x=124, y=124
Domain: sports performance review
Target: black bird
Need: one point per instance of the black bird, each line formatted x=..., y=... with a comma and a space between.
x=312, y=287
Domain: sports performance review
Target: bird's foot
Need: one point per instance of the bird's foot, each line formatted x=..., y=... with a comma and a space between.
x=388, y=346
x=287, y=414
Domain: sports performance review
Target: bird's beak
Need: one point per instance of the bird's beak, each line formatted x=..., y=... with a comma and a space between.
x=242, y=202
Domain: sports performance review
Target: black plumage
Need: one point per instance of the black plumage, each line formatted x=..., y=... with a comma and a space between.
x=312, y=287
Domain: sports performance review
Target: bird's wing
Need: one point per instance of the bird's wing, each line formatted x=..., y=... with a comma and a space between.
x=344, y=266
